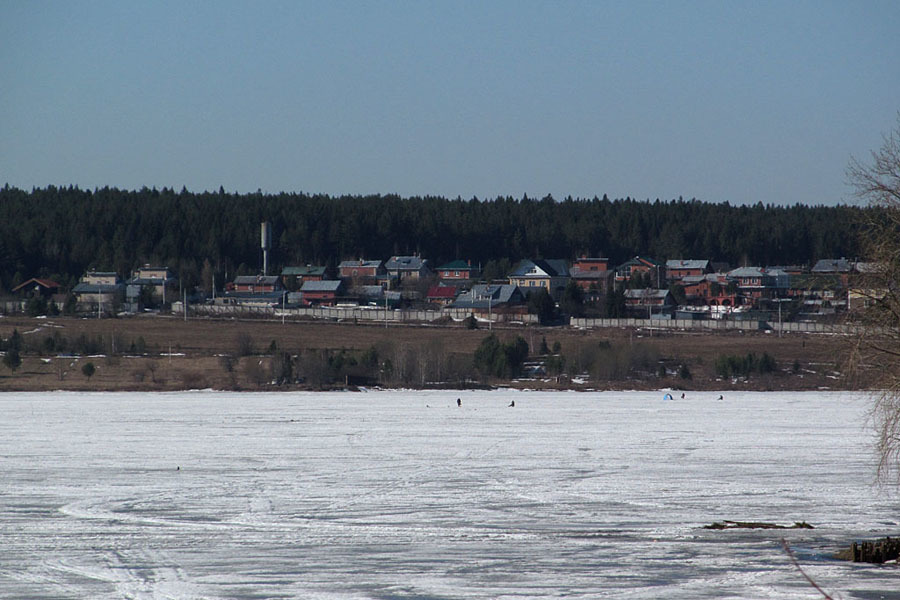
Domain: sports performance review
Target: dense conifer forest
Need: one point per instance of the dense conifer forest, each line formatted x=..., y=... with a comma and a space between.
x=59, y=232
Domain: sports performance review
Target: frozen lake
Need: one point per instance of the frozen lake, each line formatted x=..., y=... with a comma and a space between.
x=404, y=495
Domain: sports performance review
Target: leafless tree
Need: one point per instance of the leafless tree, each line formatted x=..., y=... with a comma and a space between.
x=876, y=351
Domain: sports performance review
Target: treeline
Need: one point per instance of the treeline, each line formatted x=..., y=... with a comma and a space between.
x=60, y=232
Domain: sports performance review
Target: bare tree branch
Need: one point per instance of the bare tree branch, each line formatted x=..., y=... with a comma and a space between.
x=793, y=558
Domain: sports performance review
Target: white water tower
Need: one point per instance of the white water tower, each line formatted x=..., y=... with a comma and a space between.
x=265, y=243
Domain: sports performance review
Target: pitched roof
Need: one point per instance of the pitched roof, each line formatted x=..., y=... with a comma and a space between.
x=550, y=267
x=639, y=260
x=321, y=286
x=456, y=265
x=256, y=280
x=747, y=272
x=405, y=263
x=276, y=295
x=150, y=281
x=349, y=264
x=442, y=292
x=695, y=279
x=308, y=270
x=484, y=296
x=97, y=288
x=832, y=265
x=687, y=264
x=648, y=293
x=44, y=283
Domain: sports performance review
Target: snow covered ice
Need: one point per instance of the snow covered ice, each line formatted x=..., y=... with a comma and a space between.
x=405, y=495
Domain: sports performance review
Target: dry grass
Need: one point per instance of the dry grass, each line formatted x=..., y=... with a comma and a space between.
x=182, y=355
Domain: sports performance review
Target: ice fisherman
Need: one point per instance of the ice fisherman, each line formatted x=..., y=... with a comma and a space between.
x=459, y=402
x=512, y=403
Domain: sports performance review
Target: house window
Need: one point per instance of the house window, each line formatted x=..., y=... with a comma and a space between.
x=456, y=274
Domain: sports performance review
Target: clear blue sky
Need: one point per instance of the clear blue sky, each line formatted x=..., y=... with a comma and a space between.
x=722, y=101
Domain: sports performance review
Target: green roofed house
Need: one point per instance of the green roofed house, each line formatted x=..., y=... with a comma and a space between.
x=458, y=270
x=293, y=278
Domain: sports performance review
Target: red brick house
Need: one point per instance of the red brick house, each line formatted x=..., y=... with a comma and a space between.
x=458, y=270
x=708, y=290
x=362, y=270
x=592, y=275
x=677, y=270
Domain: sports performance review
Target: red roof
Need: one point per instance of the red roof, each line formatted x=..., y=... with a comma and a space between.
x=45, y=283
x=442, y=292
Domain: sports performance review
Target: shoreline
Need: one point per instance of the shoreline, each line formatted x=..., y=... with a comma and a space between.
x=165, y=354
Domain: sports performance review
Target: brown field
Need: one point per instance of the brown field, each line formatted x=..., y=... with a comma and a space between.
x=188, y=355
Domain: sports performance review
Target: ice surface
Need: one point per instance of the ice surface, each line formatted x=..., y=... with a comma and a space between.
x=404, y=495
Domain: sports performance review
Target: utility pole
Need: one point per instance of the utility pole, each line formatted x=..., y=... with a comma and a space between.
x=490, y=314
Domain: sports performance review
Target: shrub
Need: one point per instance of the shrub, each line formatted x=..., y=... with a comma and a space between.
x=193, y=380
x=728, y=366
x=244, y=345
x=12, y=360
x=88, y=370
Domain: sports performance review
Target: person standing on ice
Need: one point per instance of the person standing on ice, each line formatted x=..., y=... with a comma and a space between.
x=512, y=404
x=458, y=402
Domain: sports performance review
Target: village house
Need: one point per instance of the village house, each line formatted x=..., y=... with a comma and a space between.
x=403, y=268
x=34, y=287
x=593, y=276
x=642, y=266
x=457, y=271
x=293, y=278
x=756, y=283
x=711, y=289
x=160, y=281
x=256, y=284
x=820, y=293
x=550, y=274
x=647, y=302
x=363, y=272
x=254, y=291
x=442, y=294
x=487, y=298
x=100, y=290
x=676, y=270
x=376, y=296
x=839, y=267
x=322, y=293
